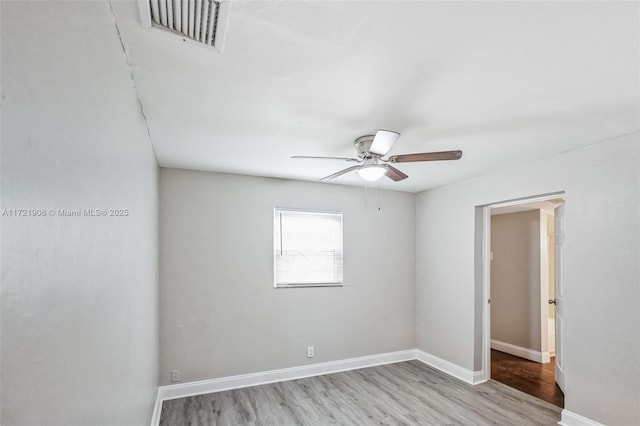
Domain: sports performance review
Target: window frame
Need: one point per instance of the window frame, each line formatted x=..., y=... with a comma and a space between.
x=340, y=283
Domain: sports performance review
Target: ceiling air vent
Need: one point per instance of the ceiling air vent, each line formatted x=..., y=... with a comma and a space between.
x=202, y=21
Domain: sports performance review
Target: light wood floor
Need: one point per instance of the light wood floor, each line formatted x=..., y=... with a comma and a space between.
x=406, y=393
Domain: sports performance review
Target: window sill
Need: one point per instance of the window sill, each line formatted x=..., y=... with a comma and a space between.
x=308, y=285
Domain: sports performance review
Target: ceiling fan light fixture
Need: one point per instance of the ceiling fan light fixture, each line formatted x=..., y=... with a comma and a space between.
x=372, y=173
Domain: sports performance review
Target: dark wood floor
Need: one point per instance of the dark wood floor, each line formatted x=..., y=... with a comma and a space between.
x=406, y=393
x=527, y=376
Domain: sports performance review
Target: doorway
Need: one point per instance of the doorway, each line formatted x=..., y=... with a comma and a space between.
x=520, y=284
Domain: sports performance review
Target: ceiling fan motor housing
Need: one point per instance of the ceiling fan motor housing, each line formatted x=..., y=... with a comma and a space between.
x=363, y=145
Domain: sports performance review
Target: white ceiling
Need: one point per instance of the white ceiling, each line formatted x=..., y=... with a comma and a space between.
x=506, y=82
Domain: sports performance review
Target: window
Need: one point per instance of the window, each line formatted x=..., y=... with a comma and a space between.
x=307, y=248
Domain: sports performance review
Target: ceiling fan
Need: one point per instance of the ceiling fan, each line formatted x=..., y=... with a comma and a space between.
x=371, y=166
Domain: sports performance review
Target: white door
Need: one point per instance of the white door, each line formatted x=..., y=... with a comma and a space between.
x=559, y=268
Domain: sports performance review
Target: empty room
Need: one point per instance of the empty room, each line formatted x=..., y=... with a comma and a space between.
x=319, y=212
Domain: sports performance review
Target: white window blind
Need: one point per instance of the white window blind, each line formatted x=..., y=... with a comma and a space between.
x=307, y=248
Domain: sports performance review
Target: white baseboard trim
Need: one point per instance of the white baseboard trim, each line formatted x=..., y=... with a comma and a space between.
x=254, y=379
x=157, y=410
x=471, y=377
x=569, y=418
x=530, y=354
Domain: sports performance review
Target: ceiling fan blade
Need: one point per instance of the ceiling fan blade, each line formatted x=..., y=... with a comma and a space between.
x=426, y=156
x=341, y=172
x=394, y=174
x=383, y=141
x=326, y=158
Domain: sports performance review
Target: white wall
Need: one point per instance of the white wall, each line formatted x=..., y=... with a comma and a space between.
x=79, y=294
x=220, y=313
x=602, y=337
x=515, y=279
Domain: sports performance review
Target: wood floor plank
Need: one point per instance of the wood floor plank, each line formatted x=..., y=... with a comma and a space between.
x=406, y=393
x=530, y=377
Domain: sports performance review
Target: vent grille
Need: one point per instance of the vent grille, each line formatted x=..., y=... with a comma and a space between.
x=196, y=19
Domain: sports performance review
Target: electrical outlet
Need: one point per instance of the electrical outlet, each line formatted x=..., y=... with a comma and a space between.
x=309, y=351
x=175, y=376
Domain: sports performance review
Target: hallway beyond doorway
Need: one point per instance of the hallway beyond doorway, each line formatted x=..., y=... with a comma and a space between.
x=527, y=376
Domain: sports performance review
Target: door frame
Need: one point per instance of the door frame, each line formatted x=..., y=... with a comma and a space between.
x=486, y=270
x=559, y=219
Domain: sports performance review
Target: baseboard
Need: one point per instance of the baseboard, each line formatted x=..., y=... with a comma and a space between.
x=157, y=410
x=254, y=379
x=468, y=376
x=530, y=354
x=569, y=418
